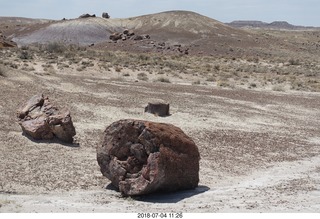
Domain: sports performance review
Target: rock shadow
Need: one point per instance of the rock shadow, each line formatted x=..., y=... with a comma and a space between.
x=165, y=197
x=52, y=141
x=171, y=197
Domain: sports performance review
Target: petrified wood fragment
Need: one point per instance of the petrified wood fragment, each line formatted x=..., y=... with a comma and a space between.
x=141, y=157
x=158, y=108
x=40, y=120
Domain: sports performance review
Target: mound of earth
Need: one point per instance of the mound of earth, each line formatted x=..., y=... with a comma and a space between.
x=189, y=29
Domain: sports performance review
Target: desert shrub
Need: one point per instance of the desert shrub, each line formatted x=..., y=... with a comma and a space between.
x=81, y=68
x=297, y=85
x=279, y=88
x=24, y=54
x=55, y=47
x=252, y=85
x=217, y=67
x=2, y=71
x=70, y=55
x=63, y=65
x=143, y=76
x=211, y=79
x=223, y=83
x=87, y=63
x=294, y=61
x=197, y=82
x=143, y=57
x=163, y=79
x=118, y=69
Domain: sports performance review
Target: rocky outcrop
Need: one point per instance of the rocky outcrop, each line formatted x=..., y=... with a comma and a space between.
x=105, y=15
x=127, y=35
x=4, y=42
x=87, y=16
x=39, y=119
x=141, y=157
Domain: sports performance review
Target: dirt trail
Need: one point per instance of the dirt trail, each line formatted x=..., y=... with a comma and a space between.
x=259, y=149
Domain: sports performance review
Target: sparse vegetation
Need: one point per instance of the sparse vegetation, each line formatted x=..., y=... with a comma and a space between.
x=278, y=88
x=197, y=82
x=294, y=61
x=55, y=47
x=2, y=70
x=142, y=76
x=163, y=79
x=246, y=72
x=24, y=54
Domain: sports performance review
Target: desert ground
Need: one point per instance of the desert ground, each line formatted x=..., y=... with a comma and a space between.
x=253, y=116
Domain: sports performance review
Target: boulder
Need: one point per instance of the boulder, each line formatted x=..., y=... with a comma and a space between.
x=137, y=37
x=115, y=36
x=39, y=119
x=4, y=42
x=142, y=157
x=105, y=15
x=158, y=108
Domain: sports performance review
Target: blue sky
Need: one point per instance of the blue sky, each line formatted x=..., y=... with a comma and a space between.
x=299, y=12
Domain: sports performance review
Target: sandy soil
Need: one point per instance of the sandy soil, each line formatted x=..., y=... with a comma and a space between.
x=259, y=149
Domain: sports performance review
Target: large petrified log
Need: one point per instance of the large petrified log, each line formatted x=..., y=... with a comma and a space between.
x=40, y=120
x=141, y=157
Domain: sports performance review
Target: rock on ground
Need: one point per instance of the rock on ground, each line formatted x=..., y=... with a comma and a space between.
x=141, y=157
x=157, y=108
x=39, y=119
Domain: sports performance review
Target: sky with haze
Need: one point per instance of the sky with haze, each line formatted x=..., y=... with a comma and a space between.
x=298, y=12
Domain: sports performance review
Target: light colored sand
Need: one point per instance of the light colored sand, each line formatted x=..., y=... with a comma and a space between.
x=259, y=149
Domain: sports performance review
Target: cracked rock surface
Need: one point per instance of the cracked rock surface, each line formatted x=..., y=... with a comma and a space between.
x=141, y=157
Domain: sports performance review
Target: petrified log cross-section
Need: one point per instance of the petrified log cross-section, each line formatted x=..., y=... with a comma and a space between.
x=141, y=157
x=157, y=108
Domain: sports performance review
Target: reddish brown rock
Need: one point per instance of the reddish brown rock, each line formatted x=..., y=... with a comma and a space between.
x=40, y=120
x=141, y=157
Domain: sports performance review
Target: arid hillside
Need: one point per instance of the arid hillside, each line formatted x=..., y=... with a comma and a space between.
x=198, y=33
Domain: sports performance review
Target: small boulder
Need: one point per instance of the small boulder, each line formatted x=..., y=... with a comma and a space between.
x=115, y=36
x=158, y=108
x=39, y=119
x=105, y=15
x=142, y=157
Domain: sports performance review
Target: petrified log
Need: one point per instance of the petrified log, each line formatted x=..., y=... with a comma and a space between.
x=157, y=108
x=141, y=157
x=40, y=120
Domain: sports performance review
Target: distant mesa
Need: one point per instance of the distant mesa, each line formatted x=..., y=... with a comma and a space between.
x=259, y=24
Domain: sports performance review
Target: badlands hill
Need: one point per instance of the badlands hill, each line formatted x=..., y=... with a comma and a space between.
x=195, y=33
x=178, y=25
x=189, y=29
